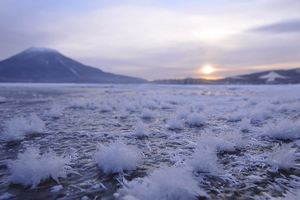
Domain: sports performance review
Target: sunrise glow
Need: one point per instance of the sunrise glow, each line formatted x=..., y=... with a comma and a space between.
x=207, y=69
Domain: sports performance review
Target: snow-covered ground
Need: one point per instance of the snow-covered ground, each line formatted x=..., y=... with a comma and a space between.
x=149, y=142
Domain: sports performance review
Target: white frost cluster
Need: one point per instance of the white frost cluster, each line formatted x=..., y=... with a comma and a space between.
x=31, y=167
x=195, y=119
x=147, y=114
x=166, y=183
x=218, y=143
x=117, y=157
x=175, y=124
x=150, y=104
x=284, y=130
x=17, y=128
x=234, y=138
x=283, y=157
x=105, y=107
x=245, y=124
x=55, y=111
x=82, y=103
x=140, y=131
x=182, y=112
x=205, y=160
x=2, y=99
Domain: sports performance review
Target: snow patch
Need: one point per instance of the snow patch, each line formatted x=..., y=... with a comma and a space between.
x=40, y=49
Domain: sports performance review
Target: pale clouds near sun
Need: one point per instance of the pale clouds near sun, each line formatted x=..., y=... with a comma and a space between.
x=173, y=38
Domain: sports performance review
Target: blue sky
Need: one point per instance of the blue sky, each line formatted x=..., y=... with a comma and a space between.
x=159, y=39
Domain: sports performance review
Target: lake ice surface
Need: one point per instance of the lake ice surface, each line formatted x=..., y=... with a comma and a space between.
x=149, y=142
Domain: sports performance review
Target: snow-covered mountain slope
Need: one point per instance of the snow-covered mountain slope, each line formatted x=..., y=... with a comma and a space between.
x=43, y=65
x=272, y=76
x=291, y=76
x=267, y=77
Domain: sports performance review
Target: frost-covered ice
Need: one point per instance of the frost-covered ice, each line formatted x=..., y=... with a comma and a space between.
x=166, y=183
x=175, y=124
x=55, y=111
x=117, y=157
x=149, y=142
x=6, y=196
x=140, y=130
x=2, y=99
x=147, y=114
x=31, y=167
x=105, y=107
x=17, y=128
x=56, y=188
x=284, y=130
x=182, y=112
x=195, y=119
x=81, y=103
x=283, y=157
x=204, y=160
x=245, y=124
x=227, y=143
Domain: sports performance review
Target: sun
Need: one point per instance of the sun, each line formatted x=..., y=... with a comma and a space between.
x=207, y=69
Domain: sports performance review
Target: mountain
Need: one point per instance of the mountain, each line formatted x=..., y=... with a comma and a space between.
x=43, y=65
x=290, y=76
x=188, y=81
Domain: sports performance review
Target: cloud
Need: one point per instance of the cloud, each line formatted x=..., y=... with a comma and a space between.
x=161, y=39
x=288, y=26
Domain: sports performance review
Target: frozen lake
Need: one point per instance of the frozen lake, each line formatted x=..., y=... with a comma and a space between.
x=149, y=142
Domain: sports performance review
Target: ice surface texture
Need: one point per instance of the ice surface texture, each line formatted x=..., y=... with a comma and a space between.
x=150, y=142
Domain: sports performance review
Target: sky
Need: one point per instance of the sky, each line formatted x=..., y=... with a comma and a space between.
x=159, y=39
